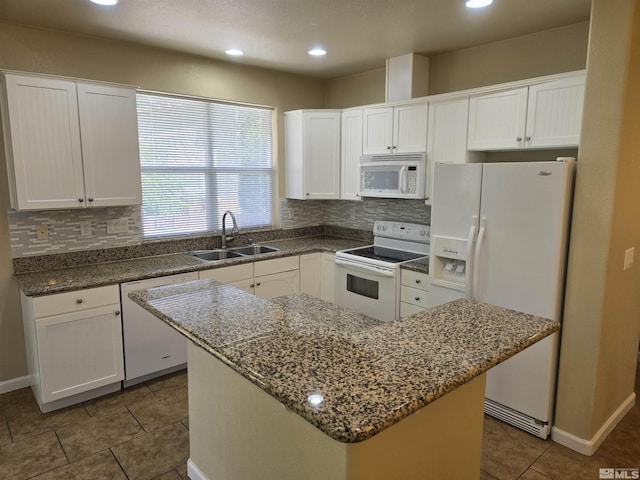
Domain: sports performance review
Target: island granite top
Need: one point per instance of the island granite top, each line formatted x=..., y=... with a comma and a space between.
x=368, y=374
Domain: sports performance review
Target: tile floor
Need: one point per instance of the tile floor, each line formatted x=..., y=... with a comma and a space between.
x=142, y=434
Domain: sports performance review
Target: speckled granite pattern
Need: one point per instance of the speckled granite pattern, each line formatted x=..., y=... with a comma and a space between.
x=421, y=265
x=108, y=273
x=371, y=374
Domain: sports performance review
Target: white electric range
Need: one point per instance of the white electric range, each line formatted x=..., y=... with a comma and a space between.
x=367, y=279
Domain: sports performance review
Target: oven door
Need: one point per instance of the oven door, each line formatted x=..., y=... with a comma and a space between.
x=368, y=289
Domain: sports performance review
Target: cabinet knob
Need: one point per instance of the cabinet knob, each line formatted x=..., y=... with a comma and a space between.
x=519, y=139
x=307, y=194
x=258, y=284
x=252, y=285
x=81, y=200
x=79, y=301
x=416, y=299
x=117, y=313
x=528, y=139
x=418, y=280
x=393, y=147
x=90, y=199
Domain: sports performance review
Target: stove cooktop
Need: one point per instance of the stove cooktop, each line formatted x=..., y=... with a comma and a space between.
x=390, y=255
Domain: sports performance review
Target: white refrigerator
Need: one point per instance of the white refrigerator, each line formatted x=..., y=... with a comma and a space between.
x=499, y=234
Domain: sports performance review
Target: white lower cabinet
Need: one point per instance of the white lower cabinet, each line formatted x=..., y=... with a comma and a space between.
x=414, y=292
x=316, y=275
x=74, y=345
x=266, y=278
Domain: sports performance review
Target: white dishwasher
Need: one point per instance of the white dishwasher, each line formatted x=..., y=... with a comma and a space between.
x=151, y=347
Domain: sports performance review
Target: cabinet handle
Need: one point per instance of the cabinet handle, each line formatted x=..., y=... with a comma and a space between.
x=81, y=200
x=79, y=301
x=417, y=299
x=117, y=313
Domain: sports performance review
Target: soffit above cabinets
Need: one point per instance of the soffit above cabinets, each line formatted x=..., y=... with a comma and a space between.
x=358, y=34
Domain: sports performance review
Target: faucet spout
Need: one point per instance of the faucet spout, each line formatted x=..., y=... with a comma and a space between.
x=234, y=231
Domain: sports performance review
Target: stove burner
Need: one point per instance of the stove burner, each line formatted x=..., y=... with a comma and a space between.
x=383, y=254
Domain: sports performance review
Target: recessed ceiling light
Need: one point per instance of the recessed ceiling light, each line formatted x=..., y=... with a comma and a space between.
x=105, y=2
x=234, y=52
x=478, y=3
x=317, y=52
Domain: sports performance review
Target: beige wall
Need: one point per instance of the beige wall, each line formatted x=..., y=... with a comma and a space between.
x=50, y=52
x=602, y=308
x=559, y=50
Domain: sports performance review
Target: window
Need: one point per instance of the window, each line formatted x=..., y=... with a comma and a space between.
x=199, y=158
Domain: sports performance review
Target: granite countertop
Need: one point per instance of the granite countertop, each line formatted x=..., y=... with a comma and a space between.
x=370, y=374
x=109, y=273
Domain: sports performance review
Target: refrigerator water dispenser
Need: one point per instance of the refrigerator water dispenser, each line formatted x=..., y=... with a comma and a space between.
x=449, y=262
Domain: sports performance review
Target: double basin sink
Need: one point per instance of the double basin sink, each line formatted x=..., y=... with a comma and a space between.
x=225, y=253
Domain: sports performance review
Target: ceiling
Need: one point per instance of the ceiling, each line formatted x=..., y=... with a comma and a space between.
x=358, y=34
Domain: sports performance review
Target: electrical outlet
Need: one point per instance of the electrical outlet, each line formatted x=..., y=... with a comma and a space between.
x=85, y=228
x=112, y=226
x=628, y=258
x=352, y=213
x=123, y=225
x=42, y=232
x=291, y=214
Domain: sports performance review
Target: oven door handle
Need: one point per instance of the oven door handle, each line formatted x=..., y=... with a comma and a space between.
x=365, y=268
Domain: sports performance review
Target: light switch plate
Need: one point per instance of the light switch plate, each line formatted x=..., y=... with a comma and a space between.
x=42, y=232
x=628, y=258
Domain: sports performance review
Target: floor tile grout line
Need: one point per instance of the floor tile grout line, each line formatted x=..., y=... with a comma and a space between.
x=118, y=462
x=62, y=446
x=6, y=422
x=530, y=466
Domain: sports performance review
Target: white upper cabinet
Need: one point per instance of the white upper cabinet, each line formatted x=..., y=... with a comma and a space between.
x=397, y=129
x=446, y=136
x=351, y=140
x=109, y=126
x=545, y=115
x=312, y=154
x=70, y=144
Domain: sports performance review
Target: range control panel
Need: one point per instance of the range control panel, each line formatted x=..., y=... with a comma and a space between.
x=414, y=232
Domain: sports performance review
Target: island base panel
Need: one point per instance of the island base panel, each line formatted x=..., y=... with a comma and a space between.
x=239, y=431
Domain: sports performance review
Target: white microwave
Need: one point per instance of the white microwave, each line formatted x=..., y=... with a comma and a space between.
x=393, y=176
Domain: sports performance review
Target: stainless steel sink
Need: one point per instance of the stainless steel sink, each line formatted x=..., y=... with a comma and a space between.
x=213, y=255
x=254, y=249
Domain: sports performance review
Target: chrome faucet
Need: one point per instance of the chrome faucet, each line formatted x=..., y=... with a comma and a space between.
x=234, y=231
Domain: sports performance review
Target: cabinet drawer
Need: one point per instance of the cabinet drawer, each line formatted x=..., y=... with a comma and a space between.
x=414, y=296
x=415, y=279
x=407, y=309
x=284, y=264
x=75, y=301
x=234, y=273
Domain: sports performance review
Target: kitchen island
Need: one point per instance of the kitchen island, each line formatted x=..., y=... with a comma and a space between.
x=295, y=387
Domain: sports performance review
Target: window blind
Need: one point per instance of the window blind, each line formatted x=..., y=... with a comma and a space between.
x=199, y=158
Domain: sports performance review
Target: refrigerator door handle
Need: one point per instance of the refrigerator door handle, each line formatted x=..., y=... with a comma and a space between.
x=476, y=258
x=469, y=269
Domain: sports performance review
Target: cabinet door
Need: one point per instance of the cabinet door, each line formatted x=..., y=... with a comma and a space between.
x=322, y=155
x=277, y=284
x=447, y=136
x=554, y=113
x=246, y=285
x=42, y=139
x=497, y=120
x=109, y=127
x=351, y=141
x=410, y=128
x=234, y=273
x=377, y=130
x=328, y=277
x=79, y=351
x=310, y=274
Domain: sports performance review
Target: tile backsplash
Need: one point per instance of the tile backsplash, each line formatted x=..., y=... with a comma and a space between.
x=65, y=233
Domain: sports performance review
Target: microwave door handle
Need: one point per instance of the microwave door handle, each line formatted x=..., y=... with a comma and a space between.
x=403, y=179
x=364, y=268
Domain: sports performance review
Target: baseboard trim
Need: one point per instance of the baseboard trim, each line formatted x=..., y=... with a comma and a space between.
x=14, y=384
x=194, y=472
x=589, y=447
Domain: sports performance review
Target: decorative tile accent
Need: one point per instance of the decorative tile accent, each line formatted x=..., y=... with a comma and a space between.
x=64, y=230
